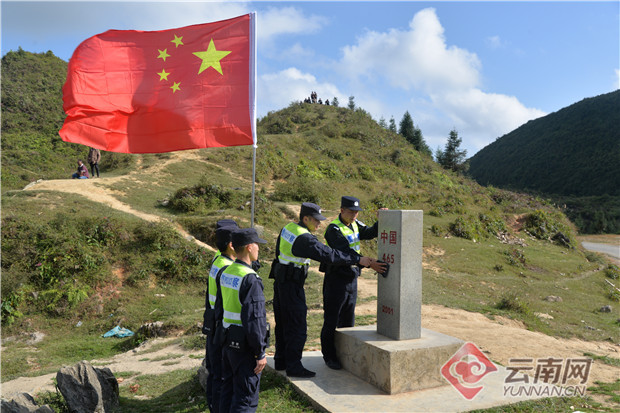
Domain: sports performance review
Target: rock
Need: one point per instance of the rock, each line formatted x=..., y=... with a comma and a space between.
x=553, y=298
x=605, y=309
x=87, y=389
x=202, y=374
x=150, y=330
x=544, y=316
x=35, y=338
x=23, y=403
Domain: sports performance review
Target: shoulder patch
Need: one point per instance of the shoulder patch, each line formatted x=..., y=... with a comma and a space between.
x=360, y=223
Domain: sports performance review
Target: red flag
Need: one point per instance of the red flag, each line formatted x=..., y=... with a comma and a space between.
x=150, y=92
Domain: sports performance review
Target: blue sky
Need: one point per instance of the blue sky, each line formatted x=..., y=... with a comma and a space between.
x=484, y=68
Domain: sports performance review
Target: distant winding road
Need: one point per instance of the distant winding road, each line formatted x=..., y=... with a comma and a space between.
x=609, y=249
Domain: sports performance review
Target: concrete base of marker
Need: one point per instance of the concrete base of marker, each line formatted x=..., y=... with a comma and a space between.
x=395, y=366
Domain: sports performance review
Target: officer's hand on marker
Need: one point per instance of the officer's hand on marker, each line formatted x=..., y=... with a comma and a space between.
x=365, y=262
x=260, y=365
x=380, y=209
x=380, y=267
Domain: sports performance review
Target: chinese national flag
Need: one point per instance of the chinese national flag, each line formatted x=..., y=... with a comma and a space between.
x=149, y=92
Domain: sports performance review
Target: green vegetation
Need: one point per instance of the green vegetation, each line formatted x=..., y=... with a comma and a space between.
x=73, y=269
x=570, y=155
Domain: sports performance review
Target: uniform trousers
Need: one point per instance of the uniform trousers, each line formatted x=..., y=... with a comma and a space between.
x=240, y=385
x=339, y=297
x=290, y=310
x=214, y=379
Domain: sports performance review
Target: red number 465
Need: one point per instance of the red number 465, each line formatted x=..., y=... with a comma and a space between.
x=388, y=258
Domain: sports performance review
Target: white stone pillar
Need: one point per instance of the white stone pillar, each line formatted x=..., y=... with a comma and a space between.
x=399, y=302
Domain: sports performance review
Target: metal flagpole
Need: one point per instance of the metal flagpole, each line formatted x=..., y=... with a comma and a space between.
x=253, y=92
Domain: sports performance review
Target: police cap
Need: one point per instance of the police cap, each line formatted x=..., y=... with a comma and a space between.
x=226, y=223
x=223, y=234
x=245, y=236
x=350, y=202
x=310, y=209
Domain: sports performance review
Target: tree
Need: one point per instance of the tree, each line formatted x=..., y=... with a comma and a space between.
x=392, y=126
x=352, y=102
x=451, y=157
x=383, y=123
x=335, y=102
x=413, y=134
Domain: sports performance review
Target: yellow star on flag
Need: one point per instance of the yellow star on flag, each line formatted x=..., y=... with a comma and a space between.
x=211, y=58
x=176, y=86
x=163, y=54
x=177, y=40
x=163, y=75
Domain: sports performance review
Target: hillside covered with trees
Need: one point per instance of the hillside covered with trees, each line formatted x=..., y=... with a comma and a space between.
x=572, y=156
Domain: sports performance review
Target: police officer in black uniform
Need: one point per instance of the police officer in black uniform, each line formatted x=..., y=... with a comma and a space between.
x=340, y=283
x=240, y=304
x=295, y=247
x=213, y=359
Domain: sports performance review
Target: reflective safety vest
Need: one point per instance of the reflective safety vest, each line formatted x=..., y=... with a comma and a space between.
x=219, y=262
x=352, y=235
x=288, y=235
x=230, y=282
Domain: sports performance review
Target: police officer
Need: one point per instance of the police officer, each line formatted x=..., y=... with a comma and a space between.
x=241, y=304
x=340, y=282
x=213, y=359
x=295, y=247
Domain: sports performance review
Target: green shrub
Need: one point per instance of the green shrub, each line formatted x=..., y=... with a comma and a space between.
x=515, y=257
x=300, y=189
x=466, y=227
x=205, y=196
x=612, y=271
x=549, y=226
x=511, y=302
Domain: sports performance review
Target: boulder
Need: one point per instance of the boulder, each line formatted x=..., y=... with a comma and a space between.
x=151, y=330
x=87, y=389
x=606, y=309
x=202, y=374
x=23, y=403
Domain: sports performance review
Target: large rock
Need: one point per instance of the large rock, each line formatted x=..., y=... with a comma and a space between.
x=87, y=389
x=23, y=403
x=202, y=374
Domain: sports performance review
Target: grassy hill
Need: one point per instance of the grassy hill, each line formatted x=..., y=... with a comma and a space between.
x=572, y=155
x=68, y=261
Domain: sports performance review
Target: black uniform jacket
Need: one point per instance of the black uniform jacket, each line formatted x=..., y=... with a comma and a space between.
x=308, y=246
x=338, y=241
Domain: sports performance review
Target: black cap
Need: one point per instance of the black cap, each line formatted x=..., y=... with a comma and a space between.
x=245, y=236
x=310, y=209
x=223, y=234
x=350, y=202
x=226, y=223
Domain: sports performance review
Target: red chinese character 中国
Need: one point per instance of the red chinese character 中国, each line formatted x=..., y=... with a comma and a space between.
x=392, y=237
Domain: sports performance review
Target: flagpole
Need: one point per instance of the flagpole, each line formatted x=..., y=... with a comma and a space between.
x=253, y=90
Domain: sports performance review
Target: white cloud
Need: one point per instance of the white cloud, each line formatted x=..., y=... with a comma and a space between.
x=494, y=42
x=297, y=52
x=278, y=90
x=287, y=20
x=418, y=58
x=421, y=62
x=617, y=81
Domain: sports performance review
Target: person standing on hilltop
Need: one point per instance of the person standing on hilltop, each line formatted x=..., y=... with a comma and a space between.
x=295, y=247
x=94, y=156
x=240, y=303
x=340, y=282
